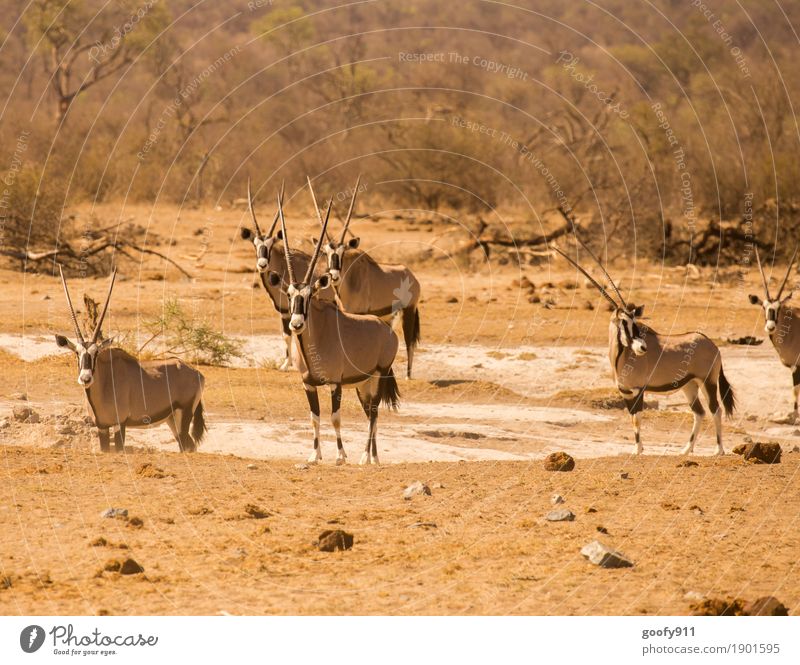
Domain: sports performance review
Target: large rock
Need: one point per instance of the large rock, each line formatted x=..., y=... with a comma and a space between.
x=760, y=452
x=330, y=541
x=559, y=461
x=562, y=515
x=417, y=488
x=768, y=606
x=25, y=414
x=603, y=556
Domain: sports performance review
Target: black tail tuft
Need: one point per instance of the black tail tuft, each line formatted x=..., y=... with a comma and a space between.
x=199, y=428
x=411, y=327
x=726, y=394
x=388, y=392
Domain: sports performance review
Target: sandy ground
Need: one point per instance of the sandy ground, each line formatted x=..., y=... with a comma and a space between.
x=499, y=382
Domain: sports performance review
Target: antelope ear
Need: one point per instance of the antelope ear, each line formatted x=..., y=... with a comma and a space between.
x=279, y=234
x=354, y=243
x=754, y=300
x=323, y=282
x=791, y=293
x=313, y=241
x=274, y=278
x=105, y=343
x=246, y=233
x=64, y=343
x=638, y=311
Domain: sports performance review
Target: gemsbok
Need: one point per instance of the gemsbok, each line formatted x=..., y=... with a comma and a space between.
x=782, y=325
x=367, y=287
x=123, y=392
x=269, y=257
x=643, y=360
x=336, y=348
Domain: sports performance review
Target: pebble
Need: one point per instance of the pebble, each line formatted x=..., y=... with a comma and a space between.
x=562, y=515
x=556, y=499
x=603, y=556
x=114, y=512
x=416, y=488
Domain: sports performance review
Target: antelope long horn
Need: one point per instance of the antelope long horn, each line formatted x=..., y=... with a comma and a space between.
x=602, y=267
x=251, y=208
x=788, y=272
x=350, y=211
x=761, y=270
x=275, y=218
x=285, y=243
x=590, y=278
x=78, y=332
x=105, y=307
x=312, y=264
x=316, y=207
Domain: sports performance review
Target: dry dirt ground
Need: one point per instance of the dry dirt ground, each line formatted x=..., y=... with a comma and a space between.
x=500, y=381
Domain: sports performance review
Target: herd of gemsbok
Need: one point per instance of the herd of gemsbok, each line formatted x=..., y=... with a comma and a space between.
x=337, y=323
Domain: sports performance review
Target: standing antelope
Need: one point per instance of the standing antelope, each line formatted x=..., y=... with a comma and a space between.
x=269, y=258
x=643, y=360
x=336, y=348
x=367, y=287
x=782, y=325
x=123, y=392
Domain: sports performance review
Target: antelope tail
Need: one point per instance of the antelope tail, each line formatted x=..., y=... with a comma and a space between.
x=199, y=428
x=388, y=392
x=726, y=394
x=411, y=327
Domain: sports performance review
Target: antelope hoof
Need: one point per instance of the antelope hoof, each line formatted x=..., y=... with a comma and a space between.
x=286, y=365
x=375, y=459
x=315, y=457
x=341, y=459
x=365, y=459
x=688, y=449
x=720, y=451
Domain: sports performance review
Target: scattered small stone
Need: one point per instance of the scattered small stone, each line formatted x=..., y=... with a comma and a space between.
x=114, y=512
x=135, y=522
x=795, y=449
x=422, y=525
x=99, y=542
x=736, y=509
x=559, y=461
x=687, y=463
x=768, y=606
x=588, y=305
x=252, y=467
x=302, y=467
x=760, y=452
x=451, y=300
x=562, y=515
x=128, y=567
x=330, y=541
x=668, y=505
x=696, y=509
x=623, y=476
x=602, y=529
x=19, y=396
x=591, y=509
x=148, y=470
x=416, y=488
x=603, y=556
x=747, y=340
x=25, y=414
x=693, y=595
x=717, y=607
x=255, y=512
x=556, y=499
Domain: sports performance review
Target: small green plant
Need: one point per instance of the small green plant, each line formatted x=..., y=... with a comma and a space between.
x=183, y=336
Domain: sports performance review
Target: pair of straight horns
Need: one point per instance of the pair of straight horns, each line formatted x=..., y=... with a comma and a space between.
x=102, y=316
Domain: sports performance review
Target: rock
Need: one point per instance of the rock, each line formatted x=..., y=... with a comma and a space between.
x=559, y=461
x=451, y=300
x=252, y=467
x=255, y=512
x=562, y=515
x=99, y=542
x=788, y=419
x=603, y=556
x=747, y=340
x=717, y=607
x=19, y=396
x=588, y=305
x=114, y=512
x=602, y=529
x=591, y=509
x=760, y=452
x=623, y=476
x=25, y=414
x=693, y=595
x=302, y=467
x=135, y=522
x=422, y=525
x=795, y=449
x=130, y=567
x=415, y=489
x=330, y=541
x=686, y=464
x=556, y=499
x=147, y=470
x=768, y=606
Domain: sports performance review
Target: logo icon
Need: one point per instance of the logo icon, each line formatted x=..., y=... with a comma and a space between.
x=402, y=295
x=31, y=638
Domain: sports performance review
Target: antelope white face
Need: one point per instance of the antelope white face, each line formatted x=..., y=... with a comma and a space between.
x=334, y=252
x=772, y=310
x=263, y=245
x=86, y=353
x=630, y=335
x=299, y=296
